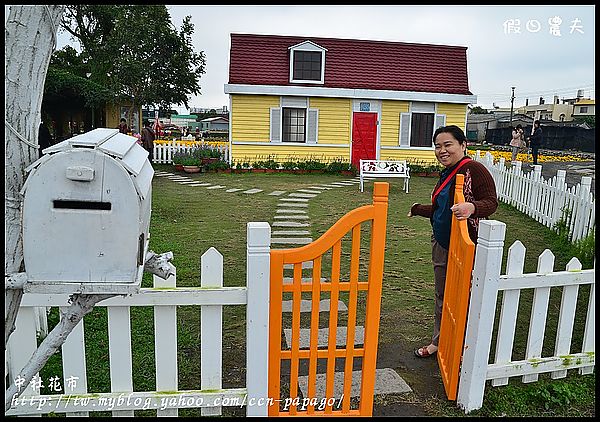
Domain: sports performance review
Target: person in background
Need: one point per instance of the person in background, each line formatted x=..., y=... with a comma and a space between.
x=517, y=141
x=123, y=128
x=480, y=202
x=535, y=140
x=44, y=138
x=148, y=137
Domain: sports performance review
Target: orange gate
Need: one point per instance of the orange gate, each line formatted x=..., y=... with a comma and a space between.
x=456, y=298
x=313, y=287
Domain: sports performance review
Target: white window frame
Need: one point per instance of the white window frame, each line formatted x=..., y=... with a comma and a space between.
x=312, y=47
x=416, y=108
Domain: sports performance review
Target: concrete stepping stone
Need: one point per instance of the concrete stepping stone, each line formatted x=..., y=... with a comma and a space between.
x=290, y=280
x=233, y=190
x=294, y=199
x=284, y=211
x=289, y=224
x=277, y=192
x=292, y=204
x=291, y=233
x=387, y=381
x=201, y=184
x=250, y=191
x=306, y=305
x=188, y=182
x=336, y=186
x=320, y=187
x=323, y=337
x=305, y=265
x=291, y=240
x=302, y=195
x=292, y=217
x=216, y=187
x=316, y=192
x=341, y=183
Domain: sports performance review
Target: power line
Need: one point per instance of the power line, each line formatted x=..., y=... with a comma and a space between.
x=557, y=91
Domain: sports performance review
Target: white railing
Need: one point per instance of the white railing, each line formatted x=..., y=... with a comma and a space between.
x=487, y=283
x=165, y=297
x=163, y=153
x=544, y=200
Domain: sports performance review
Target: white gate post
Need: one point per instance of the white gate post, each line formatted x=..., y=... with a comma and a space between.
x=482, y=309
x=258, y=260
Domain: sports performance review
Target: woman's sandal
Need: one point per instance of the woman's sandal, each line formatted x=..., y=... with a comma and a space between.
x=423, y=352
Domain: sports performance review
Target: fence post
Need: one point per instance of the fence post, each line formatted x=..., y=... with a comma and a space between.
x=165, y=344
x=559, y=196
x=500, y=172
x=211, y=328
x=535, y=190
x=581, y=227
x=515, y=188
x=257, y=317
x=482, y=309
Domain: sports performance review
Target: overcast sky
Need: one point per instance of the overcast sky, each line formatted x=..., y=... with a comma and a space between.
x=540, y=50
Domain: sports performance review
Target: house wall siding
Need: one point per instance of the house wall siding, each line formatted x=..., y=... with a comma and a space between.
x=250, y=117
x=288, y=152
x=455, y=114
x=335, y=116
x=390, y=121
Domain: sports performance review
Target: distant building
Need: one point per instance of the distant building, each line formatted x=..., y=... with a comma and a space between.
x=221, y=111
x=214, y=124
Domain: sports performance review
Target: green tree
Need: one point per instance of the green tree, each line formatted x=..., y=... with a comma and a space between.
x=478, y=110
x=137, y=53
x=590, y=120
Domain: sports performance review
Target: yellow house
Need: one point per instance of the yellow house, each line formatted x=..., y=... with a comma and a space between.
x=114, y=113
x=330, y=98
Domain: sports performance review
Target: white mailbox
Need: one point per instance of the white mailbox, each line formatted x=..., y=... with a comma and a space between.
x=86, y=215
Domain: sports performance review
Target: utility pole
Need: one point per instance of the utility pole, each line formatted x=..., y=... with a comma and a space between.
x=512, y=100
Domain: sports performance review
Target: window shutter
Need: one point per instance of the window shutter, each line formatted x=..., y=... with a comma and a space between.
x=275, y=125
x=312, y=126
x=404, y=129
x=440, y=120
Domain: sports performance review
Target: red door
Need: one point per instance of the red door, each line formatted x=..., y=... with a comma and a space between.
x=364, y=137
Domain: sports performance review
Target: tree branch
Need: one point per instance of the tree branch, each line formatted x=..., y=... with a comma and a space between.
x=81, y=305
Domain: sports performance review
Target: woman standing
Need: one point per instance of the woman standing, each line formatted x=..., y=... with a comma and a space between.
x=480, y=202
x=518, y=138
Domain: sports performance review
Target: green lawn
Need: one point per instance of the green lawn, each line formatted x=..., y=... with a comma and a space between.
x=189, y=220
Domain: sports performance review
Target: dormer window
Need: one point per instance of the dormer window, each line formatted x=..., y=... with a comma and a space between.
x=307, y=63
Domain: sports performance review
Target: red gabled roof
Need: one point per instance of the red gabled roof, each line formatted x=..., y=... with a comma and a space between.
x=356, y=64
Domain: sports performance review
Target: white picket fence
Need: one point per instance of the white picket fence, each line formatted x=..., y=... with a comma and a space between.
x=165, y=297
x=163, y=153
x=544, y=200
x=486, y=284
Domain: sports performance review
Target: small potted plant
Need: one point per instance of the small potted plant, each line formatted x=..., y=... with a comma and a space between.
x=177, y=159
x=191, y=163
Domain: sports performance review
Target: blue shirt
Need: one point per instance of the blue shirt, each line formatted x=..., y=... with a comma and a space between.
x=441, y=219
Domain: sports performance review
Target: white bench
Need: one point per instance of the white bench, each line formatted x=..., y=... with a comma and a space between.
x=386, y=169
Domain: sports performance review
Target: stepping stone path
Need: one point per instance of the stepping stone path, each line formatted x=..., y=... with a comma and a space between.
x=290, y=231
x=323, y=337
x=387, y=381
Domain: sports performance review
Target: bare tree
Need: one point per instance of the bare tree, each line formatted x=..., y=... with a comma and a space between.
x=30, y=40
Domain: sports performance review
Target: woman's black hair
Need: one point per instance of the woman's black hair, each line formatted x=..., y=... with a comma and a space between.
x=519, y=126
x=453, y=130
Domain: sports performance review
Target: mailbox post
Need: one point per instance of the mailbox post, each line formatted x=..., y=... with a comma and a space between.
x=86, y=215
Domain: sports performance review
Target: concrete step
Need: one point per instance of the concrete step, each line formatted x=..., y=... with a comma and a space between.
x=323, y=337
x=306, y=305
x=387, y=381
